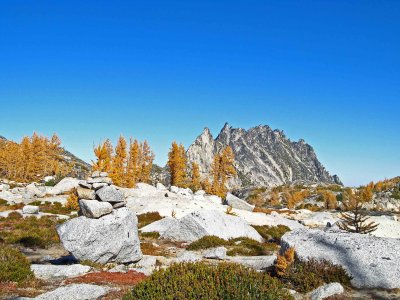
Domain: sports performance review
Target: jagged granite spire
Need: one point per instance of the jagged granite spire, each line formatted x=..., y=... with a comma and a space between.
x=264, y=157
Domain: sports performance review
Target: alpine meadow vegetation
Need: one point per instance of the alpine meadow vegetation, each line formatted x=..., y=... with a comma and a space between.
x=199, y=281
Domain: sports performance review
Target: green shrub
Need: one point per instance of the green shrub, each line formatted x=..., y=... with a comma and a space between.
x=151, y=235
x=307, y=276
x=273, y=233
x=208, y=241
x=249, y=247
x=14, y=266
x=148, y=218
x=51, y=182
x=3, y=202
x=237, y=246
x=200, y=281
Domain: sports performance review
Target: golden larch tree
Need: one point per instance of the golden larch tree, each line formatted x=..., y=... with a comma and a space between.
x=118, y=169
x=195, y=183
x=222, y=169
x=177, y=165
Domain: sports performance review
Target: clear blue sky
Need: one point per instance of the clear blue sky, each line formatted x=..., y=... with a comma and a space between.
x=325, y=71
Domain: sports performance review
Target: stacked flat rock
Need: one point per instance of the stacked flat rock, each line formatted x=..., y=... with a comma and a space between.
x=106, y=231
x=98, y=197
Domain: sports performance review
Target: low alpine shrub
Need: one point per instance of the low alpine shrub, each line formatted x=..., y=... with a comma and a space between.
x=14, y=266
x=208, y=241
x=272, y=233
x=199, y=281
x=305, y=276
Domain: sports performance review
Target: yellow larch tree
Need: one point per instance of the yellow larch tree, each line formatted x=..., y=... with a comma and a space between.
x=146, y=162
x=222, y=169
x=118, y=169
x=195, y=183
x=133, y=163
x=177, y=165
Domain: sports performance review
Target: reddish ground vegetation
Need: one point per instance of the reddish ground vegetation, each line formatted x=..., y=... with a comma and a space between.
x=118, y=278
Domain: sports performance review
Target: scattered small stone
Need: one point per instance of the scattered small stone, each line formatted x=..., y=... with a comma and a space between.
x=59, y=271
x=215, y=253
x=119, y=205
x=94, y=208
x=30, y=210
x=85, y=193
x=326, y=291
x=188, y=256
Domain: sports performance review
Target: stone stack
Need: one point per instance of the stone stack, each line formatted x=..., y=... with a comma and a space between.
x=106, y=230
x=98, y=197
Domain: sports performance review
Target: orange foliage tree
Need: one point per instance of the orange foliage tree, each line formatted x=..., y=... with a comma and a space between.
x=126, y=166
x=35, y=157
x=222, y=169
x=177, y=164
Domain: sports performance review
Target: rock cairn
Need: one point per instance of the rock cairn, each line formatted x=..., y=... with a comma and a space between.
x=98, y=197
x=106, y=231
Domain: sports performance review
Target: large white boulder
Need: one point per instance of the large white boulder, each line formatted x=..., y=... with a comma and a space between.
x=371, y=261
x=111, y=238
x=58, y=271
x=65, y=185
x=79, y=291
x=160, y=226
x=94, y=208
x=210, y=222
x=238, y=203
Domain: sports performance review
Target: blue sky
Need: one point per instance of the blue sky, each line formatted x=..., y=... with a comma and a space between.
x=325, y=71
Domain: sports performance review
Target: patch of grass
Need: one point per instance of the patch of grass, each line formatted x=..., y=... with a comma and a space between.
x=238, y=246
x=92, y=264
x=148, y=218
x=149, y=249
x=272, y=233
x=249, y=247
x=150, y=235
x=6, y=206
x=30, y=231
x=209, y=241
x=307, y=276
x=3, y=202
x=14, y=266
x=192, y=281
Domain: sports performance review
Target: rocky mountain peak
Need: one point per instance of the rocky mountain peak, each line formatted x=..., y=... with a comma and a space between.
x=264, y=157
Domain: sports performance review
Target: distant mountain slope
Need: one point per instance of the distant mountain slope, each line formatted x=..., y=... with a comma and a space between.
x=264, y=157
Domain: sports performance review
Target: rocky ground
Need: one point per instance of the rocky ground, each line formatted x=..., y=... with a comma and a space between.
x=107, y=249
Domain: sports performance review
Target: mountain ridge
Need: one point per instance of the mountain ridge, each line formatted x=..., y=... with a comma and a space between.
x=264, y=157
